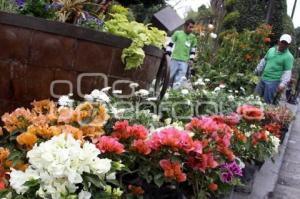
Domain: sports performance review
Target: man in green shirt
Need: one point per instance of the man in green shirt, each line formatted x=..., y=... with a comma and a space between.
x=277, y=70
x=182, y=49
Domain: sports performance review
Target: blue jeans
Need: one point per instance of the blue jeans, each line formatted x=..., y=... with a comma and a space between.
x=178, y=71
x=267, y=90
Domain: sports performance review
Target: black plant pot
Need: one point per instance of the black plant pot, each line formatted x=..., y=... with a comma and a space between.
x=247, y=179
x=284, y=131
x=259, y=164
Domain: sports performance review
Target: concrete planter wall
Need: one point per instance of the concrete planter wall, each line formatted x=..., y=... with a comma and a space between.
x=34, y=52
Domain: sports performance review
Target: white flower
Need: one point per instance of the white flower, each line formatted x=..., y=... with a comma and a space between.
x=242, y=89
x=213, y=35
x=184, y=91
x=89, y=98
x=117, y=112
x=64, y=100
x=166, y=96
x=230, y=91
x=230, y=98
x=210, y=26
x=236, y=91
x=117, y=92
x=100, y=95
x=202, y=34
x=168, y=121
x=59, y=164
x=205, y=92
x=252, y=126
x=133, y=85
x=84, y=195
x=276, y=142
x=207, y=80
x=111, y=176
x=151, y=99
x=155, y=117
x=142, y=92
x=222, y=85
x=105, y=89
x=217, y=89
x=199, y=82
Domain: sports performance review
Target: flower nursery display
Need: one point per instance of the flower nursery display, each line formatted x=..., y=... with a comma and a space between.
x=98, y=149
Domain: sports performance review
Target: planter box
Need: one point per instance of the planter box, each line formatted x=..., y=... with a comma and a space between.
x=35, y=52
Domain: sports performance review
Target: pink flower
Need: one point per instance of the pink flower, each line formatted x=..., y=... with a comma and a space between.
x=108, y=144
x=138, y=132
x=141, y=147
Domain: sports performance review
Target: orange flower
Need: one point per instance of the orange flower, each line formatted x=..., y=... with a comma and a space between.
x=267, y=40
x=41, y=131
x=91, y=131
x=21, y=118
x=21, y=166
x=66, y=115
x=141, y=147
x=213, y=187
x=248, y=57
x=27, y=139
x=172, y=170
x=137, y=190
x=75, y=132
x=45, y=107
x=4, y=153
x=84, y=112
x=1, y=131
x=101, y=117
x=228, y=153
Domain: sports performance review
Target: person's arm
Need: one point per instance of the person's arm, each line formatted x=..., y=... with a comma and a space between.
x=171, y=43
x=286, y=76
x=193, y=50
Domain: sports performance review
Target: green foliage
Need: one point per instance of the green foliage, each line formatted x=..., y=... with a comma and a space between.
x=37, y=8
x=277, y=20
x=288, y=28
x=252, y=14
x=203, y=15
x=140, y=34
x=8, y=6
x=230, y=19
x=236, y=58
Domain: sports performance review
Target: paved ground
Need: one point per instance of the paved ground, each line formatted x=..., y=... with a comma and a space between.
x=288, y=184
x=280, y=179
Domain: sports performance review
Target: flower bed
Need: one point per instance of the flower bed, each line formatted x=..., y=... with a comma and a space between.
x=94, y=149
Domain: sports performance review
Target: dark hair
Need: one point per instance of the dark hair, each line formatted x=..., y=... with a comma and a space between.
x=188, y=22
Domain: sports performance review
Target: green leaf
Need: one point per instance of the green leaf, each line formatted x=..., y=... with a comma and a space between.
x=159, y=179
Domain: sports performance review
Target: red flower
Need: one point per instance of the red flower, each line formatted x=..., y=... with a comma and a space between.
x=205, y=125
x=141, y=147
x=267, y=40
x=274, y=128
x=121, y=130
x=138, y=132
x=172, y=170
x=108, y=144
x=213, y=187
x=202, y=162
x=250, y=113
x=2, y=185
x=173, y=138
x=137, y=190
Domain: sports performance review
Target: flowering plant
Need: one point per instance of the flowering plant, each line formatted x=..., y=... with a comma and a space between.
x=59, y=166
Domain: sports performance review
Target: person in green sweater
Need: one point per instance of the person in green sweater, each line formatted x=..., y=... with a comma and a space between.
x=182, y=49
x=276, y=70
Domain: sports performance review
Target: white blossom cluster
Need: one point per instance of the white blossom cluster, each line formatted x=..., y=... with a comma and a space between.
x=58, y=165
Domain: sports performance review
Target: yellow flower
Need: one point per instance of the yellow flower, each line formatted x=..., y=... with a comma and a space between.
x=4, y=153
x=27, y=139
